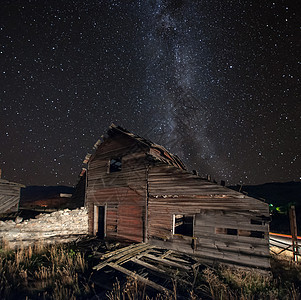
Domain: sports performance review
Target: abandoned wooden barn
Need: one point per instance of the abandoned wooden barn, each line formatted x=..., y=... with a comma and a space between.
x=9, y=196
x=138, y=191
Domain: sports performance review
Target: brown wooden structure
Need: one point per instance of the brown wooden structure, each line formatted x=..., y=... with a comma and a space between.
x=138, y=191
x=9, y=196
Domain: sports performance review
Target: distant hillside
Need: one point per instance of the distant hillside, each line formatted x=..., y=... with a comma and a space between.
x=33, y=197
x=32, y=193
x=276, y=193
x=281, y=196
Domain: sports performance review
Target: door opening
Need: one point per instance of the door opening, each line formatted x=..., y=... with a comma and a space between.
x=100, y=221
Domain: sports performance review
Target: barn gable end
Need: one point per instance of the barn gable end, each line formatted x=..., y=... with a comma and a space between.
x=116, y=188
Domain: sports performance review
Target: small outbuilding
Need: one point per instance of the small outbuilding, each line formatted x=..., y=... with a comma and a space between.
x=9, y=196
x=138, y=191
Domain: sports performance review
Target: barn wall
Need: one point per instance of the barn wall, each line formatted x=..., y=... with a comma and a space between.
x=218, y=214
x=124, y=213
x=123, y=193
x=9, y=196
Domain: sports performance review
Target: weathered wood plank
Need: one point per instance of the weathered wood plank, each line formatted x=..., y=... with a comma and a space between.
x=167, y=262
x=149, y=266
x=121, y=255
x=139, y=278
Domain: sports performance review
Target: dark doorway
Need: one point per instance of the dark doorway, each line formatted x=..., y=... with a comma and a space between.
x=101, y=222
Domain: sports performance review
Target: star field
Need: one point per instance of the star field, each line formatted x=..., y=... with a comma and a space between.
x=216, y=82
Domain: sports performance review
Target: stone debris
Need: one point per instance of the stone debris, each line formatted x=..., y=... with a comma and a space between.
x=60, y=226
x=18, y=220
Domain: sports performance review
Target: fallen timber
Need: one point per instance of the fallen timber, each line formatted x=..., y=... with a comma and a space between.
x=161, y=262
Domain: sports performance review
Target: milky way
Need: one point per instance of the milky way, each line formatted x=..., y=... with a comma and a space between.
x=216, y=82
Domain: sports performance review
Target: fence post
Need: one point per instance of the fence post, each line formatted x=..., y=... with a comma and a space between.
x=293, y=225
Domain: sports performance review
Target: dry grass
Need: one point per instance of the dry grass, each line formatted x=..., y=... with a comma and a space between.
x=59, y=272
x=225, y=283
x=228, y=283
x=48, y=271
x=133, y=290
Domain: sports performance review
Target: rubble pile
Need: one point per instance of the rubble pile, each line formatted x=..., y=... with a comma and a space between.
x=60, y=226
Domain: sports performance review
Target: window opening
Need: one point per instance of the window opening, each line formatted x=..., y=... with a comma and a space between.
x=257, y=234
x=115, y=165
x=183, y=224
x=256, y=222
x=228, y=231
x=231, y=231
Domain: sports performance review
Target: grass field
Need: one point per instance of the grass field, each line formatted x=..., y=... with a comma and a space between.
x=65, y=272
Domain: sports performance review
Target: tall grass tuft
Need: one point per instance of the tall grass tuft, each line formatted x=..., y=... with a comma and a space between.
x=133, y=290
x=229, y=283
x=49, y=270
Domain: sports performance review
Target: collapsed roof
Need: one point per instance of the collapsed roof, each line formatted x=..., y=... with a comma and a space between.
x=156, y=151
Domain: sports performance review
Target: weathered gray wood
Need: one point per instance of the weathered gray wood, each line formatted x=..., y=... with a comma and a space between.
x=139, y=278
x=140, y=251
x=166, y=254
x=215, y=255
x=9, y=196
x=118, y=251
x=149, y=266
x=122, y=255
x=167, y=262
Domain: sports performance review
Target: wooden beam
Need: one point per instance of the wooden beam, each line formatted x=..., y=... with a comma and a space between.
x=139, y=278
x=158, y=270
x=128, y=257
x=166, y=253
x=147, y=265
x=112, y=253
x=293, y=225
x=167, y=262
x=123, y=255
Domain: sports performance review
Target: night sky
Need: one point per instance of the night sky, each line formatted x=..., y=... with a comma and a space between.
x=216, y=82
